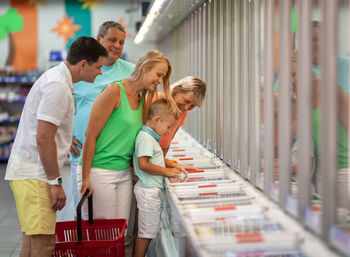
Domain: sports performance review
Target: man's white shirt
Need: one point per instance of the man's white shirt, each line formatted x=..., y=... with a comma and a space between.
x=50, y=99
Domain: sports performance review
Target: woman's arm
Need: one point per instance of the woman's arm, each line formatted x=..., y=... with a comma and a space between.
x=168, y=162
x=104, y=105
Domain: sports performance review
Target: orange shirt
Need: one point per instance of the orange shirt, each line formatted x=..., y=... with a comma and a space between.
x=166, y=140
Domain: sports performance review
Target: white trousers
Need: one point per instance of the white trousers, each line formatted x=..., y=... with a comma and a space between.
x=112, y=193
x=342, y=187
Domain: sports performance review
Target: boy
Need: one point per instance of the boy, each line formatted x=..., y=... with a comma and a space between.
x=150, y=168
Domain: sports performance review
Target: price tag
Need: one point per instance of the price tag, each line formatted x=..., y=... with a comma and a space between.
x=194, y=171
x=194, y=179
x=249, y=237
x=205, y=194
x=224, y=208
x=204, y=186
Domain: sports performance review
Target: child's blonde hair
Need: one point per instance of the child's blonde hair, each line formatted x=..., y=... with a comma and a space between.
x=163, y=107
x=191, y=83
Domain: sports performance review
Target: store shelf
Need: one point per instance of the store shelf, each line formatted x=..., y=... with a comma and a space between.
x=18, y=79
x=215, y=212
x=9, y=119
x=13, y=92
x=340, y=238
x=19, y=99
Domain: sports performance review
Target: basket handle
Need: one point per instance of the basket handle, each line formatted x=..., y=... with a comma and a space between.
x=80, y=204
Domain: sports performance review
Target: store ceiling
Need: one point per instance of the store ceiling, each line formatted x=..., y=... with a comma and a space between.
x=171, y=15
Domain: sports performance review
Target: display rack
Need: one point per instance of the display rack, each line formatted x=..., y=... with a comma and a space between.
x=212, y=211
x=13, y=92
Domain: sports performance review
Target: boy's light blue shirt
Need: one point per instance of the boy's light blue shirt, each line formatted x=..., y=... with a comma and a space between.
x=146, y=144
x=85, y=94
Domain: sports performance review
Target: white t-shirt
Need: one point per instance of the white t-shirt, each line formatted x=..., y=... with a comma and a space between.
x=50, y=99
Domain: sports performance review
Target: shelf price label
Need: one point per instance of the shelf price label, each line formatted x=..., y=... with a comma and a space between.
x=249, y=237
x=224, y=208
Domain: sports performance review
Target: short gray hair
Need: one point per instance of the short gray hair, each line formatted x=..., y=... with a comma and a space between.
x=103, y=29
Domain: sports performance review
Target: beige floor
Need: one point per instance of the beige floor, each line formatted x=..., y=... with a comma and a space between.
x=10, y=231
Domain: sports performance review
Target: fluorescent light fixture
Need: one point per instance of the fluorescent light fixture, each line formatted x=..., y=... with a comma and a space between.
x=150, y=18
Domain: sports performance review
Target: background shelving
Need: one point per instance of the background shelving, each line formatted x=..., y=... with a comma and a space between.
x=14, y=89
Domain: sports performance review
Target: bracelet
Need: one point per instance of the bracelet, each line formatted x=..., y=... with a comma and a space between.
x=172, y=162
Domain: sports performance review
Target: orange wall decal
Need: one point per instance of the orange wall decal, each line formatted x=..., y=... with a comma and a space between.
x=26, y=41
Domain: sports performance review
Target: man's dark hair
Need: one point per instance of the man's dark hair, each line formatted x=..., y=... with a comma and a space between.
x=85, y=48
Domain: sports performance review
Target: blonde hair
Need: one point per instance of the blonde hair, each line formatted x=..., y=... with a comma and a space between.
x=191, y=84
x=163, y=107
x=148, y=61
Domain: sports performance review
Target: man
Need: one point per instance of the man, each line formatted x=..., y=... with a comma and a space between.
x=42, y=143
x=111, y=35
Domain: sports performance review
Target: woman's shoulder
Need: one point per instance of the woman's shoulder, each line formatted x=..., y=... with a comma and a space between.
x=113, y=88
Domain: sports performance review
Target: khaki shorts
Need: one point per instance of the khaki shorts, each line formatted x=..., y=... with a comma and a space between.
x=149, y=203
x=33, y=202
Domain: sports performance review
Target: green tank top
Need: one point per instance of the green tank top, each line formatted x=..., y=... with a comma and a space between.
x=116, y=143
x=342, y=144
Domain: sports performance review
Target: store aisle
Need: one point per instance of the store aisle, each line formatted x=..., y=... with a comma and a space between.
x=10, y=230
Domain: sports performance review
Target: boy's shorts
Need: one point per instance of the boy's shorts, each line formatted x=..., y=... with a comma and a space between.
x=33, y=202
x=149, y=203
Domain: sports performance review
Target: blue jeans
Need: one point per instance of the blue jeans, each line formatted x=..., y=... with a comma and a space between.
x=73, y=168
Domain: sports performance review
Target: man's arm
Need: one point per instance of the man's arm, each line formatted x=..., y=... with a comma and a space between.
x=47, y=150
x=74, y=148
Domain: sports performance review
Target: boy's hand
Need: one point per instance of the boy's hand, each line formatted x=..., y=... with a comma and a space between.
x=172, y=172
x=180, y=167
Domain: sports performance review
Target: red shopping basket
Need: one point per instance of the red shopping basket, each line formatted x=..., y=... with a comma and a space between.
x=98, y=238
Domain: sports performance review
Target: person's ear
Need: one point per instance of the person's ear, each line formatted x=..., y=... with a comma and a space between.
x=82, y=64
x=98, y=38
x=156, y=119
x=145, y=69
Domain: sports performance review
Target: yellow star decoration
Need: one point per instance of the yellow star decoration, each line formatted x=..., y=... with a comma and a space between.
x=65, y=28
x=121, y=21
x=90, y=4
x=37, y=2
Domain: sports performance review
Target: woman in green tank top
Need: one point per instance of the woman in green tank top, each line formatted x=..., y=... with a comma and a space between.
x=115, y=119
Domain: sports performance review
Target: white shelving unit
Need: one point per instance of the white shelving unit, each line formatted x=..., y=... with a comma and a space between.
x=214, y=212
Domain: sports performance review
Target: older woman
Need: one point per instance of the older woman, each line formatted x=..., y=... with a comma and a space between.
x=187, y=93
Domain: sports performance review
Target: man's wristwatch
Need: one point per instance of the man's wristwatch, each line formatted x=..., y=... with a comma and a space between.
x=55, y=182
